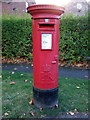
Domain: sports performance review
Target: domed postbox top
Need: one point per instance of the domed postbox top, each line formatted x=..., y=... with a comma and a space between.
x=45, y=11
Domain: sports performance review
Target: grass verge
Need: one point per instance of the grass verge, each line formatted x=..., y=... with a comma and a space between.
x=17, y=91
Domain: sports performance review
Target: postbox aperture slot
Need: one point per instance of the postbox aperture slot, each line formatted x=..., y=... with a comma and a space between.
x=46, y=41
x=46, y=25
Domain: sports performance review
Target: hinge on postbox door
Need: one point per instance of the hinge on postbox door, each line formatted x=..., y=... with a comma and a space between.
x=56, y=57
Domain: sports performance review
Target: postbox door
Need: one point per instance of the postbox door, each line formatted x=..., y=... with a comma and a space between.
x=49, y=59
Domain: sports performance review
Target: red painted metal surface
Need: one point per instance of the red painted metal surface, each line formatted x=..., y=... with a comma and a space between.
x=45, y=34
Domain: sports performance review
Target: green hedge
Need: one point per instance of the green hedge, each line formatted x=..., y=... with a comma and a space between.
x=17, y=40
x=16, y=37
x=74, y=38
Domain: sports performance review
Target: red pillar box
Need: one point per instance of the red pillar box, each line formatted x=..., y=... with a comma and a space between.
x=45, y=34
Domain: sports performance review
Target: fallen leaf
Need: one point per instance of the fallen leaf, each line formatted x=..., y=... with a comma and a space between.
x=77, y=87
x=85, y=114
x=6, y=114
x=75, y=109
x=12, y=72
x=9, y=111
x=79, y=65
x=21, y=74
x=32, y=65
x=41, y=109
x=21, y=116
x=67, y=113
x=71, y=113
x=31, y=102
x=26, y=80
x=57, y=106
x=15, y=68
x=24, y=114
x=86, y=76
x=32, y=113
x=43, y=115
x=0, y=77
x=9, y=77
x=12, y=83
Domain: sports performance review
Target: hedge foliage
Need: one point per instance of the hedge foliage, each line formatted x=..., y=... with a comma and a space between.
x=73, y=43
x=16, y=36
x=74, y=38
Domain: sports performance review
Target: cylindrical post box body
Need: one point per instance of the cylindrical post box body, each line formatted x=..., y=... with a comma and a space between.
x=45, y=34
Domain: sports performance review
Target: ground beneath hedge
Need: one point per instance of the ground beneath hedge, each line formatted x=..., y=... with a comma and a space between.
x=62, y=63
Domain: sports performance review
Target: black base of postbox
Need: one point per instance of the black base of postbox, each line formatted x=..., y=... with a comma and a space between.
x=45, y=98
